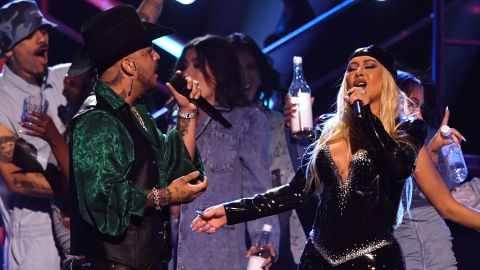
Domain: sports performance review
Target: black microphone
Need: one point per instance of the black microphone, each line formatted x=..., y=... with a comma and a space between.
x=357, y=104
x=357, y=109
x=180, y=84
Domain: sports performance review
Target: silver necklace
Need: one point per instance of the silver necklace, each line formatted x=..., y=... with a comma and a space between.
x=139, y=118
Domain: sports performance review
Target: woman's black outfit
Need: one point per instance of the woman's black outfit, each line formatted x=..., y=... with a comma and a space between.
x=353, y=228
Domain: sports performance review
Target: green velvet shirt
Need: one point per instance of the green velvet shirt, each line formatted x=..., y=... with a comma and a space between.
x=103, y=154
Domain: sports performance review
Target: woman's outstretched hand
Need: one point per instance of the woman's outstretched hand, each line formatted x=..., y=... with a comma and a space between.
x=210, y=220
x=438, y=140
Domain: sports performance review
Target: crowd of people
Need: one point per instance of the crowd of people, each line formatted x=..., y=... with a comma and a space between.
x=89, y=182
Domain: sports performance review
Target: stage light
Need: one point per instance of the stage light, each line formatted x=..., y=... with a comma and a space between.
x=186, y=2
x=160, y=112
x=104, y=4
x=169, y=44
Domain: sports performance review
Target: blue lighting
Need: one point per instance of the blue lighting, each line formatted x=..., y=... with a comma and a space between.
x=308, y=25
x=160, y=112
x=170, y=45
x=186, y=2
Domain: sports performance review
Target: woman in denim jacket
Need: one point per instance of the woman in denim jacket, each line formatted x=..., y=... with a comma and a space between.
x=236, y=160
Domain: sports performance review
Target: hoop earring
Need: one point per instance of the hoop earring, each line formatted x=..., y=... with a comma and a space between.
x=131, y=85
x=133, y=76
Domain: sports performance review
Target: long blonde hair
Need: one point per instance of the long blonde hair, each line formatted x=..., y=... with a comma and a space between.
x=337, y=124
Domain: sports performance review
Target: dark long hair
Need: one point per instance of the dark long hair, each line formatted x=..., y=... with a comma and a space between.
x=407, y=82
x=270, y=78
x=225, y=68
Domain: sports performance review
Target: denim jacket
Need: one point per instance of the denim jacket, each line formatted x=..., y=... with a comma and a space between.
x=237, y=164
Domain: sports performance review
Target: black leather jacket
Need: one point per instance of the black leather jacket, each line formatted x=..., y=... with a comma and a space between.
x=355, y=216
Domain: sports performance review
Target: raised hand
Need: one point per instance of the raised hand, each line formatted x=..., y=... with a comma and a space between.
x=357, y=93
x=42, y=126
x=210, y=220
x=438, y=140
x=289, y=109
x=183, y=103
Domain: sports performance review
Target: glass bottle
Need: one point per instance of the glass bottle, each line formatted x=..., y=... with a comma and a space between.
x=301, y=123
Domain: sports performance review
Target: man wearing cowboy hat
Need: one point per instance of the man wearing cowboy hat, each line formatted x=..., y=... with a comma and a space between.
x=124, y=172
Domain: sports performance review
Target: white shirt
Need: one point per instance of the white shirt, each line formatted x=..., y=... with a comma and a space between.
x=21, y=213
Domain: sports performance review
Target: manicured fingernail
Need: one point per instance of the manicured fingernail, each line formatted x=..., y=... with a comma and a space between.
x=199, y=212
x=446, y=109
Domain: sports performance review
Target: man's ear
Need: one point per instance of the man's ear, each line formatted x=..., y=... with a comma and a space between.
x=128, y=66
x=9, y=54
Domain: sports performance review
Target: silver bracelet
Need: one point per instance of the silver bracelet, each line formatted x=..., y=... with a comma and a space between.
x=187, y=115
x=156, y=199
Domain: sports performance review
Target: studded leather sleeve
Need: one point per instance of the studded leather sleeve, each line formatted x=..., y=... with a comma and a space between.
x=396, y=157
x=274, y=201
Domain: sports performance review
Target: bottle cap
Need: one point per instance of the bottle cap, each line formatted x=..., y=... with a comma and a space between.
x=446, y=131
x=297, y=60
x=267, y=228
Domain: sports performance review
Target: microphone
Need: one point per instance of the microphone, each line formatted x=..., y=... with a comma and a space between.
x=180, y=84
x=357, y=109
x=357, y=104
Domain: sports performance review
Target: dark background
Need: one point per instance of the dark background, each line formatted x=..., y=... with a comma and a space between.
x=403, y=27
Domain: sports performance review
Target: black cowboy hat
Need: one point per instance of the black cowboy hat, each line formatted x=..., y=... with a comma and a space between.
x=111, y=35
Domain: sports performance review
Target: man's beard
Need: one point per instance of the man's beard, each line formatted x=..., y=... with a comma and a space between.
x=145, y=82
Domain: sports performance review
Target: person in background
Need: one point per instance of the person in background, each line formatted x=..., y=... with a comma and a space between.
x=124, y=172
x=261, y=82
x=27, y=164
x=235, y=159
x=423, y=235
x=77, y=85
x=362, y=163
